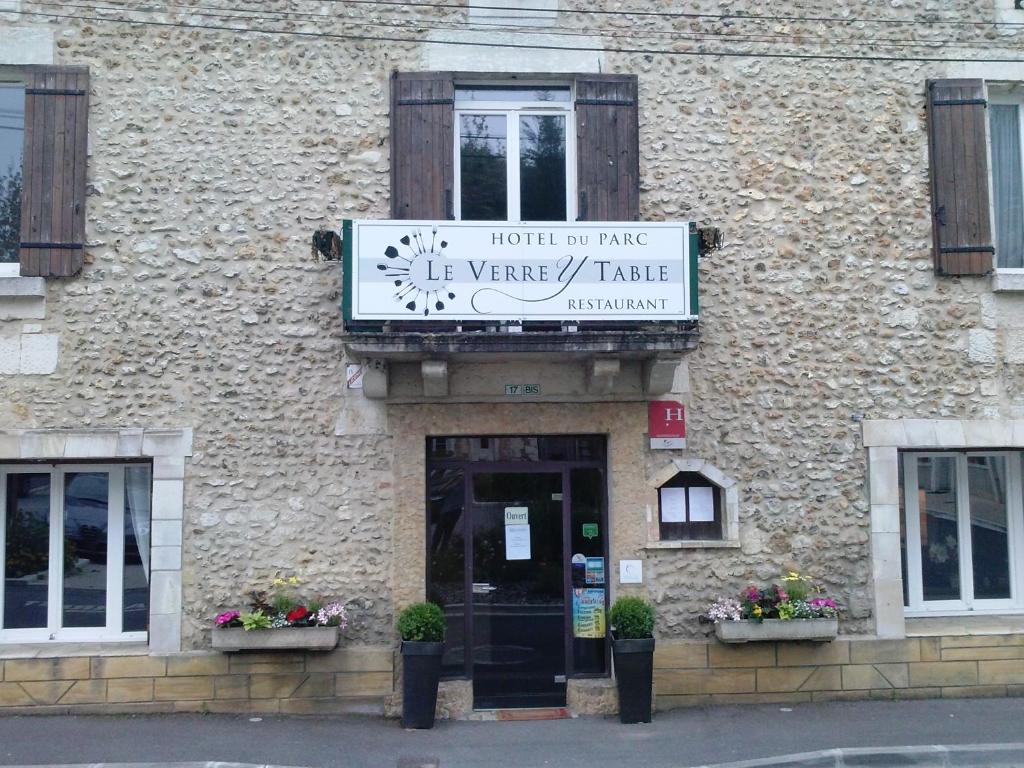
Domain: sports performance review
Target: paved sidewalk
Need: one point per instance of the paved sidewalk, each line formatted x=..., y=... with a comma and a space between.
x=811, y=735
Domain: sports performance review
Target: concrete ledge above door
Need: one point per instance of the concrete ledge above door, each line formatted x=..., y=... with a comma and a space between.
x=594, y=378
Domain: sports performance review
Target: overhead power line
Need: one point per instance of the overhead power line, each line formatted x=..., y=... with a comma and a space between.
x=241, y=14
x=530, y=46
x=685, y=14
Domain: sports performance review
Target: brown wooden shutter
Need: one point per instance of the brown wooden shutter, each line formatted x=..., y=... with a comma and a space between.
x=608, y=148
x=53, y=173
x=959, y=168
x=422, y=145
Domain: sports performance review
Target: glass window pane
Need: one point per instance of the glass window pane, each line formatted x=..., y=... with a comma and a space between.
x=990, y=543
x=137, y=514
x=85, y=549
x=447, y=587
x=522, y=93
x=1007, y=186
x=542, y=167
x=587, y=499
x=483, y=150
x=940, y=538
x=12, y=136
x=26, y=551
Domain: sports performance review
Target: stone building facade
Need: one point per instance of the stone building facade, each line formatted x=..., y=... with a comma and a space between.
x=201, y=341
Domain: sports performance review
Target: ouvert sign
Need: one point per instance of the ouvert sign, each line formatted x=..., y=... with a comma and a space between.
x=473, y=270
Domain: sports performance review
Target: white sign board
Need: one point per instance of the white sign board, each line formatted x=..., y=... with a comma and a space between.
x=631, y=572
x=673, y=505
x=517, y=542
x=517, y=515
x=474, y=270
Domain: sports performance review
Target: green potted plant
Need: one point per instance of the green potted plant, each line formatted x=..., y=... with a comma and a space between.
x=632, y=620
x=421, y=627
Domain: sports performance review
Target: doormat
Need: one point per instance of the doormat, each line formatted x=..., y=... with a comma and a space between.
x=534, y=713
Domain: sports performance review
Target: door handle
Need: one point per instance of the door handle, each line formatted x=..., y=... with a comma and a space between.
x=481, y=588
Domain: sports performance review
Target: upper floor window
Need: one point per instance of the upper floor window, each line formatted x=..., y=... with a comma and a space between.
x=12, y=142
x=1005, y=131
x=513, y=156
x=521, y=151
x=43, y=155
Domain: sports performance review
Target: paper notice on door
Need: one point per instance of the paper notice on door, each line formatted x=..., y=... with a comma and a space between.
x=673, y=505
x=702, y=505
x=517, y=542
x=588, y=613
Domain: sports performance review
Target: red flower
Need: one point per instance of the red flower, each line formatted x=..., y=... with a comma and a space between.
x=297, y=614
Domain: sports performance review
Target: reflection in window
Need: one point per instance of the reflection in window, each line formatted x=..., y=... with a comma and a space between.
x=26, y=550
x=85, y=549
x=12, y=137
x=940, y=537
x=483, y=149
x=990, y=543
x=542, y=167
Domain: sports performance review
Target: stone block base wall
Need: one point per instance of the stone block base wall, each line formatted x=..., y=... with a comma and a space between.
x=695, y=673
x=352, y=679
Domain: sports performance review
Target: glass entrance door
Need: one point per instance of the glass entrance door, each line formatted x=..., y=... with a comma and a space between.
x=518, y=587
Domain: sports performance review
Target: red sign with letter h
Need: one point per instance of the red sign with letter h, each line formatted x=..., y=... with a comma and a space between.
x=666, y=423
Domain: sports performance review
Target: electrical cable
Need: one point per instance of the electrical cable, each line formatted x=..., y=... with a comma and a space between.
x=432, y=24
x=533, y=46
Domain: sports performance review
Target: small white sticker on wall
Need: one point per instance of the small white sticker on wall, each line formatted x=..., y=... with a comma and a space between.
x=354, y=376
x=631, y=572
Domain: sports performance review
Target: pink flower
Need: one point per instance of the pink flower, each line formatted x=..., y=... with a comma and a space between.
x=824, y=602
x=226, y=617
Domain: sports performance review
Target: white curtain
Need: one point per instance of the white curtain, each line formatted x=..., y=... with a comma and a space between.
x=137, y=491
x=1007, y=185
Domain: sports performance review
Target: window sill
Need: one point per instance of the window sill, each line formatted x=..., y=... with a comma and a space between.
x=963, y=624
x=1004, y=281
x=22, y=298
x=60, y=650
x=694, y=544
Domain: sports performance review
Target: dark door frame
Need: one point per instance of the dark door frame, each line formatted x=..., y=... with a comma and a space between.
x=528, y=467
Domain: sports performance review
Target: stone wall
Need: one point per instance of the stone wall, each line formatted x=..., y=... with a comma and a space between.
x=696, y=674
x=214, y=155
x=352, y=679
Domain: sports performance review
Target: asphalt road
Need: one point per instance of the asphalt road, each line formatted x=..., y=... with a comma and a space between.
x=676, y=739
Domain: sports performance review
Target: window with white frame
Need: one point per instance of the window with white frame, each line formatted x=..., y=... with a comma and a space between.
x=962, y=531
x=514, y=153
x=75, y=545
x=1006, y=130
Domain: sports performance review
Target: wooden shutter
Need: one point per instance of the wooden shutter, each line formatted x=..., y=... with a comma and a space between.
x=608, y=148
x=53, y=191
x=959, y=169
x=422, y=145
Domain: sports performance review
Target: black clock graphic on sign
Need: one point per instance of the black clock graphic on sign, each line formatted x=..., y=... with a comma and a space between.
x=419, y=277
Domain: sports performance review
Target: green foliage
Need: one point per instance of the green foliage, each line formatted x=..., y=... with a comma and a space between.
x=255, y=620
x=632, y=618
x=10, y=213
x=423, y=622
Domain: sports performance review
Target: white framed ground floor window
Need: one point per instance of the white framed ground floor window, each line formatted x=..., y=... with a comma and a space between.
x=75, y=544
x=962, y=531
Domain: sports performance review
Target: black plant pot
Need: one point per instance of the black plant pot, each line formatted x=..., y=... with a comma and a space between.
x=634, y=673
x=421, y=671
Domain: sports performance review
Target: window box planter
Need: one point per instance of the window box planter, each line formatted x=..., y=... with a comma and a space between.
x=816, y=630
x=284, y=639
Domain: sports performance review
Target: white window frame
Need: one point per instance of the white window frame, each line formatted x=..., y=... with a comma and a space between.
x=512, y=111
x=11, y=75
x=916, y=605
x=54, y=632
x=1005, y=94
